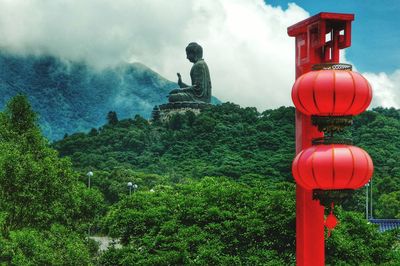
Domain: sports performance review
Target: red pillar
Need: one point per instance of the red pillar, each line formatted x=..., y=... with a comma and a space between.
x=318, y=40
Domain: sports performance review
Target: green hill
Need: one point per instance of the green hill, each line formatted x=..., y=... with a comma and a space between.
x=239, y=143
x=181, y=216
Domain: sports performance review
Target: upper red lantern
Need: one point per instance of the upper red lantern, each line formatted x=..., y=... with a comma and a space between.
x=331, y=93
x=331, y=167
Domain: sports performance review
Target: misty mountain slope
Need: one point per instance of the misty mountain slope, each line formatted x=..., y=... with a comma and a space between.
x=71, y=96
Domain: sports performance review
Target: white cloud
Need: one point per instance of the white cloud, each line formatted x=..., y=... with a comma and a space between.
x=250, y=56
x=386, y=88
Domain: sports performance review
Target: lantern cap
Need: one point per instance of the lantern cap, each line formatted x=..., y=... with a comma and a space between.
x=328, y=140
x=332, y=66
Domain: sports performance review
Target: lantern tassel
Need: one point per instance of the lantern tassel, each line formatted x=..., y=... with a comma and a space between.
x=331, y=221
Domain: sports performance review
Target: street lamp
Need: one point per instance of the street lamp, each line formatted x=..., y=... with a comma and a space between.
x=89, y=174
x=366, y=200
x=130, y=186
x=370, y=194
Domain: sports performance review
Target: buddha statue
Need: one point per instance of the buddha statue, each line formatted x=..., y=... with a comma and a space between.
x=200, y=90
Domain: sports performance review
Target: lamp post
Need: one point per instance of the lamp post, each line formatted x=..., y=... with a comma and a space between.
x=366, y=201
x=89, y=174
x=130, y=186
x=370, y=191
x=313, y=48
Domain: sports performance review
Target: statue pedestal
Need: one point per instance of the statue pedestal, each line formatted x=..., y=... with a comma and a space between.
x=169, y=109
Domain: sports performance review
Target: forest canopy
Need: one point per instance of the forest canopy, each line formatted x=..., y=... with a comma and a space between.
x=211, y=189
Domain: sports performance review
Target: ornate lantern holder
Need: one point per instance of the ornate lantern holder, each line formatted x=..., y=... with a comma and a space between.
x=326, y=197
x=331, y=124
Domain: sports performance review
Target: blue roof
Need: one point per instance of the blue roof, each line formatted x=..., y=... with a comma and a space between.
x=386, y=224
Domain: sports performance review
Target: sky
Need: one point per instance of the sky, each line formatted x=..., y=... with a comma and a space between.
x=375, y=30
x=245, y=42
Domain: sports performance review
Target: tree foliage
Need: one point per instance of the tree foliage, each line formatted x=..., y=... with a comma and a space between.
x=244, y=215
x=41, y=198
x=112, y=118
x=227, y=140
x=220, y=222
x=356, y=242
x=37, y=188
x=224, y=140
x=211, y=221
x=57, y=246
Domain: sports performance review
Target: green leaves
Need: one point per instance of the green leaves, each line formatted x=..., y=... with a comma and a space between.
x=356, y=242
x=41, y=198
x=219, y=221
x=223, y=140
x=211, y=220
x=20, y=113
x=58, y=246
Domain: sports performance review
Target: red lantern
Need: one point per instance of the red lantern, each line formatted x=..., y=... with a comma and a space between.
x=331, y=93
x=331, y=167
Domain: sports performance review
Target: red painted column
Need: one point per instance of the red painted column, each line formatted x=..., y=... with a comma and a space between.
x=318, y=40
x=309, y=213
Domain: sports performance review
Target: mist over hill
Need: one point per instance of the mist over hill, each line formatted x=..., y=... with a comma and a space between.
x=72, y=96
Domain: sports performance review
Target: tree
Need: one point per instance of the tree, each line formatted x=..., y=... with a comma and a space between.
x=190, y=117
x=112, y=118
x=93, y=132
x=37, y=188
x=20, y=113
x=140, y=122
x=176, y=122
x=43, y=205
x=155, y=114
x=390, y=205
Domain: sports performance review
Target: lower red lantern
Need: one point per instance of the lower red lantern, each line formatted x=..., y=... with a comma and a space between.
x=332, y=167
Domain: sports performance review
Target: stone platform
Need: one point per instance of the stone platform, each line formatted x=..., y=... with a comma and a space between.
x=169, y=109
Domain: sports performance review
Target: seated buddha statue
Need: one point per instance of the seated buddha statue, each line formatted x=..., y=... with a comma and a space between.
x=200, y=90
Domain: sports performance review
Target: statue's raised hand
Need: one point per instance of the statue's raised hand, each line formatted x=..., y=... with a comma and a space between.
x=180, y=83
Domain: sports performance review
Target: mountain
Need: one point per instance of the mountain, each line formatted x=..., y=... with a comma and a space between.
x=72, y=96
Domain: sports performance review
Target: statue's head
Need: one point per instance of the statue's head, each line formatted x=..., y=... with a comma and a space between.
x=194, y=52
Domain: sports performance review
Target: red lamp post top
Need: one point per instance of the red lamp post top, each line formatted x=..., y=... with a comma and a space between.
x=319, y=39
x=302, y=26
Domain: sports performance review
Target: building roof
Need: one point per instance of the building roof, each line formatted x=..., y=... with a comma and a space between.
x=386, y=224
